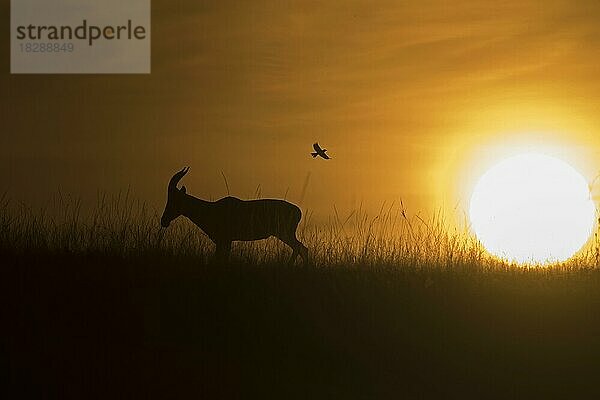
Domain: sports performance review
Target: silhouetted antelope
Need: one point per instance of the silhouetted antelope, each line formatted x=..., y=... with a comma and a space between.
x=230, y=219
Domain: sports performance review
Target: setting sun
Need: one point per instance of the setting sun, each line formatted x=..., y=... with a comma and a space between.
x=532, y=208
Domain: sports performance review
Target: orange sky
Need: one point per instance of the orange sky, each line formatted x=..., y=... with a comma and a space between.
x=411, y=98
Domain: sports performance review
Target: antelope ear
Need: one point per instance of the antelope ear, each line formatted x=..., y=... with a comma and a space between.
x=182, y=190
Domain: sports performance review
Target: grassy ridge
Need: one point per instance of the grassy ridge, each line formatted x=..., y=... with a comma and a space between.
x=96, y=326
x=124, y=227
x=107, y=305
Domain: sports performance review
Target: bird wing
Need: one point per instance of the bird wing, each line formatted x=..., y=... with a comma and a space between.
x=325, y=156
x=317, y=147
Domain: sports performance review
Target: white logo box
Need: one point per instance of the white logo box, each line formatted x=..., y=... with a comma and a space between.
x=80, y=36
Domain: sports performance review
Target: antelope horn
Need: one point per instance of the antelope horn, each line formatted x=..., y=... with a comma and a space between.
x=177, y=177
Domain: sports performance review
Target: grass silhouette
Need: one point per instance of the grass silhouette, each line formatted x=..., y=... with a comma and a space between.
x=122, y=226
x=104, y=303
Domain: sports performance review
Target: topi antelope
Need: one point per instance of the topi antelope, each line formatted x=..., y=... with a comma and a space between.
x=230, y=219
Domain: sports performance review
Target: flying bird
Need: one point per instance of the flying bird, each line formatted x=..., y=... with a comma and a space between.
x=319, y=152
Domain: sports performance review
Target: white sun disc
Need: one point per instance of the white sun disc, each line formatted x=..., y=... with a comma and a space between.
x=532, y=208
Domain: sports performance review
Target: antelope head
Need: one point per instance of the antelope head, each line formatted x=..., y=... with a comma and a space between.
x=174, y=199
